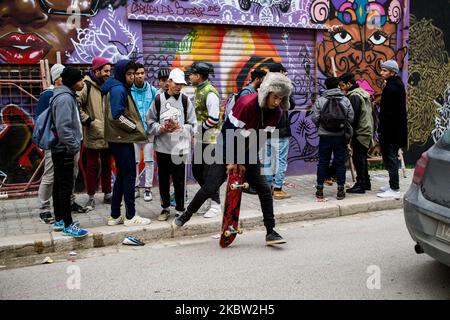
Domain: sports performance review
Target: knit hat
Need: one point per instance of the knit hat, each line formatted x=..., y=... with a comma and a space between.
x=99, y=62
x=56, y=71
x=71, y=76
x=163, y=73
x=390, y=65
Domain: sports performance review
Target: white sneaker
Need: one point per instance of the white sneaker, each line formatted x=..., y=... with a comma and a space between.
x=214, y=211
x=178, y=213
x=385, y=188
x=205, y=207
x=137, y=221
x=148, y=195
x=389, y=194
x=115, y=222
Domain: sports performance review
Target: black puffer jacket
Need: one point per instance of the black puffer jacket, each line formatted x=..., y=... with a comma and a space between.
x=393, y=126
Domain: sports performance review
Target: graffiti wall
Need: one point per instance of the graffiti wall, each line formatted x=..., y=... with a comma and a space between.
x=312, y=38
x=429, y=75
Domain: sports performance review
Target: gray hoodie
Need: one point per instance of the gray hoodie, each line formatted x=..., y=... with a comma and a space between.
x=66, y=116
x=320, y=103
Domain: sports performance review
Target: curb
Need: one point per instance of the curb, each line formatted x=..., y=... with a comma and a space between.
x=55, y=242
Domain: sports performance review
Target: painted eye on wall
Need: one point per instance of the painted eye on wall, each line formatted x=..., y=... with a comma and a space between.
x=342, y=37
x=377, y=38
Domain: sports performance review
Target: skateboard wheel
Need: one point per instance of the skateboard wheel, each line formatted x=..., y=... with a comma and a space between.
x=227, y=233
x=240, y=231
x=245, y=185
x=233, y=186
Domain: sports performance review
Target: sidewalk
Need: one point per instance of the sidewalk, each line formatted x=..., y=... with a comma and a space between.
x=23, y=234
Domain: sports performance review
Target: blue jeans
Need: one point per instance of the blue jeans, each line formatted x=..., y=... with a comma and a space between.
x=274, y=162
x=123, y=154
x=327, y=146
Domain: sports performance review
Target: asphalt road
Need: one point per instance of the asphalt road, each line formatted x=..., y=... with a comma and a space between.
x=365, y=256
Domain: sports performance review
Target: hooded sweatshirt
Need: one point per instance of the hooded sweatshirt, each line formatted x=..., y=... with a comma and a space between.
x=123, y=123
x=143, y=97
x=67, y=120
x=363, y=120
x=320, y=103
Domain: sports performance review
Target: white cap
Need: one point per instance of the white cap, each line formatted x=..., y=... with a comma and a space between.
x=177, y=76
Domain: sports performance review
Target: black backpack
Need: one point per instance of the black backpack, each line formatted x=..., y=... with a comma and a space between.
x=333, y=117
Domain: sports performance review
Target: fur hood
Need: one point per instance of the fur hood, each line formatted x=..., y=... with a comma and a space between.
x=277, y=83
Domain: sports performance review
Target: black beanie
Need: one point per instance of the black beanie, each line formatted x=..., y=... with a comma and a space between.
x=70, y=76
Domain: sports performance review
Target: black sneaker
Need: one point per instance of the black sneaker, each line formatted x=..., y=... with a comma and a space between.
x=319, y=192
x=46, y=217
x=274, y=238
x=357, y=188
x=340, y=193
x=76, y=208
x=178, y=222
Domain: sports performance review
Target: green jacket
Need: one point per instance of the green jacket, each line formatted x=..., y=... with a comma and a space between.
x=363, y=129
x=116, y=131
x=201, y=111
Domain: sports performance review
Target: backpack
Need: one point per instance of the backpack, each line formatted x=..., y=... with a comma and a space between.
x=44, y=132
x=231, y=101
x=333, y=117
x=184, y=101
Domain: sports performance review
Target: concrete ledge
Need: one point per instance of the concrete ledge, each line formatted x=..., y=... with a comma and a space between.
x=54, y=242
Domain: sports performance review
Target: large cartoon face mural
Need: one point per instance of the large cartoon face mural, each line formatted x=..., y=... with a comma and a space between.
x=368, y=34
x=32, y=30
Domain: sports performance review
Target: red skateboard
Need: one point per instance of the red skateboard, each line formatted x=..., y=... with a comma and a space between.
x=232, y=208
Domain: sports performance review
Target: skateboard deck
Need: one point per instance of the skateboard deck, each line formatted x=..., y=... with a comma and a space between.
x=230, y=222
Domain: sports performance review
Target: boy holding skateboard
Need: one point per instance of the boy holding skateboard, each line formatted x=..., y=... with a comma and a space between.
x=257, y=111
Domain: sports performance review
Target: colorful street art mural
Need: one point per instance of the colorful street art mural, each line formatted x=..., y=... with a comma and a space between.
x=312, y=38
x=363, y=34
x=429, y=75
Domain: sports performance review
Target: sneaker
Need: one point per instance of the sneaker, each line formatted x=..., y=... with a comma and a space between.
x=205, y=207
x=389, y=194
x=148, y=195
x=46, y=217
x=58, y=225
x=178, y=213
x=137, y=193
x=164, y=215
x=357, y=188
x=385, y=188
x=274, y=238
x=107, y=198
x=132, y=241
x=213, y=211
x=319, y=192
x=181, y=220
x=90, y=204
x=117, y=221
x=76, y=208
x=340, y=193
x=136, y=221
x=280, y=195
x=74, y=231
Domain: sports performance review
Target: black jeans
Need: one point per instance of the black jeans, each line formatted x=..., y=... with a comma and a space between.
x=389, y=152
x=216, y=177
x=337, y=146
x=63, y=164
x=359, y=158
x=166, y=169
x=200, y=171
x=123, y=154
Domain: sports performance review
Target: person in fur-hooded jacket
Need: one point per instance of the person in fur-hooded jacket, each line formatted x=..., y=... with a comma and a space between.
x=250, y=114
